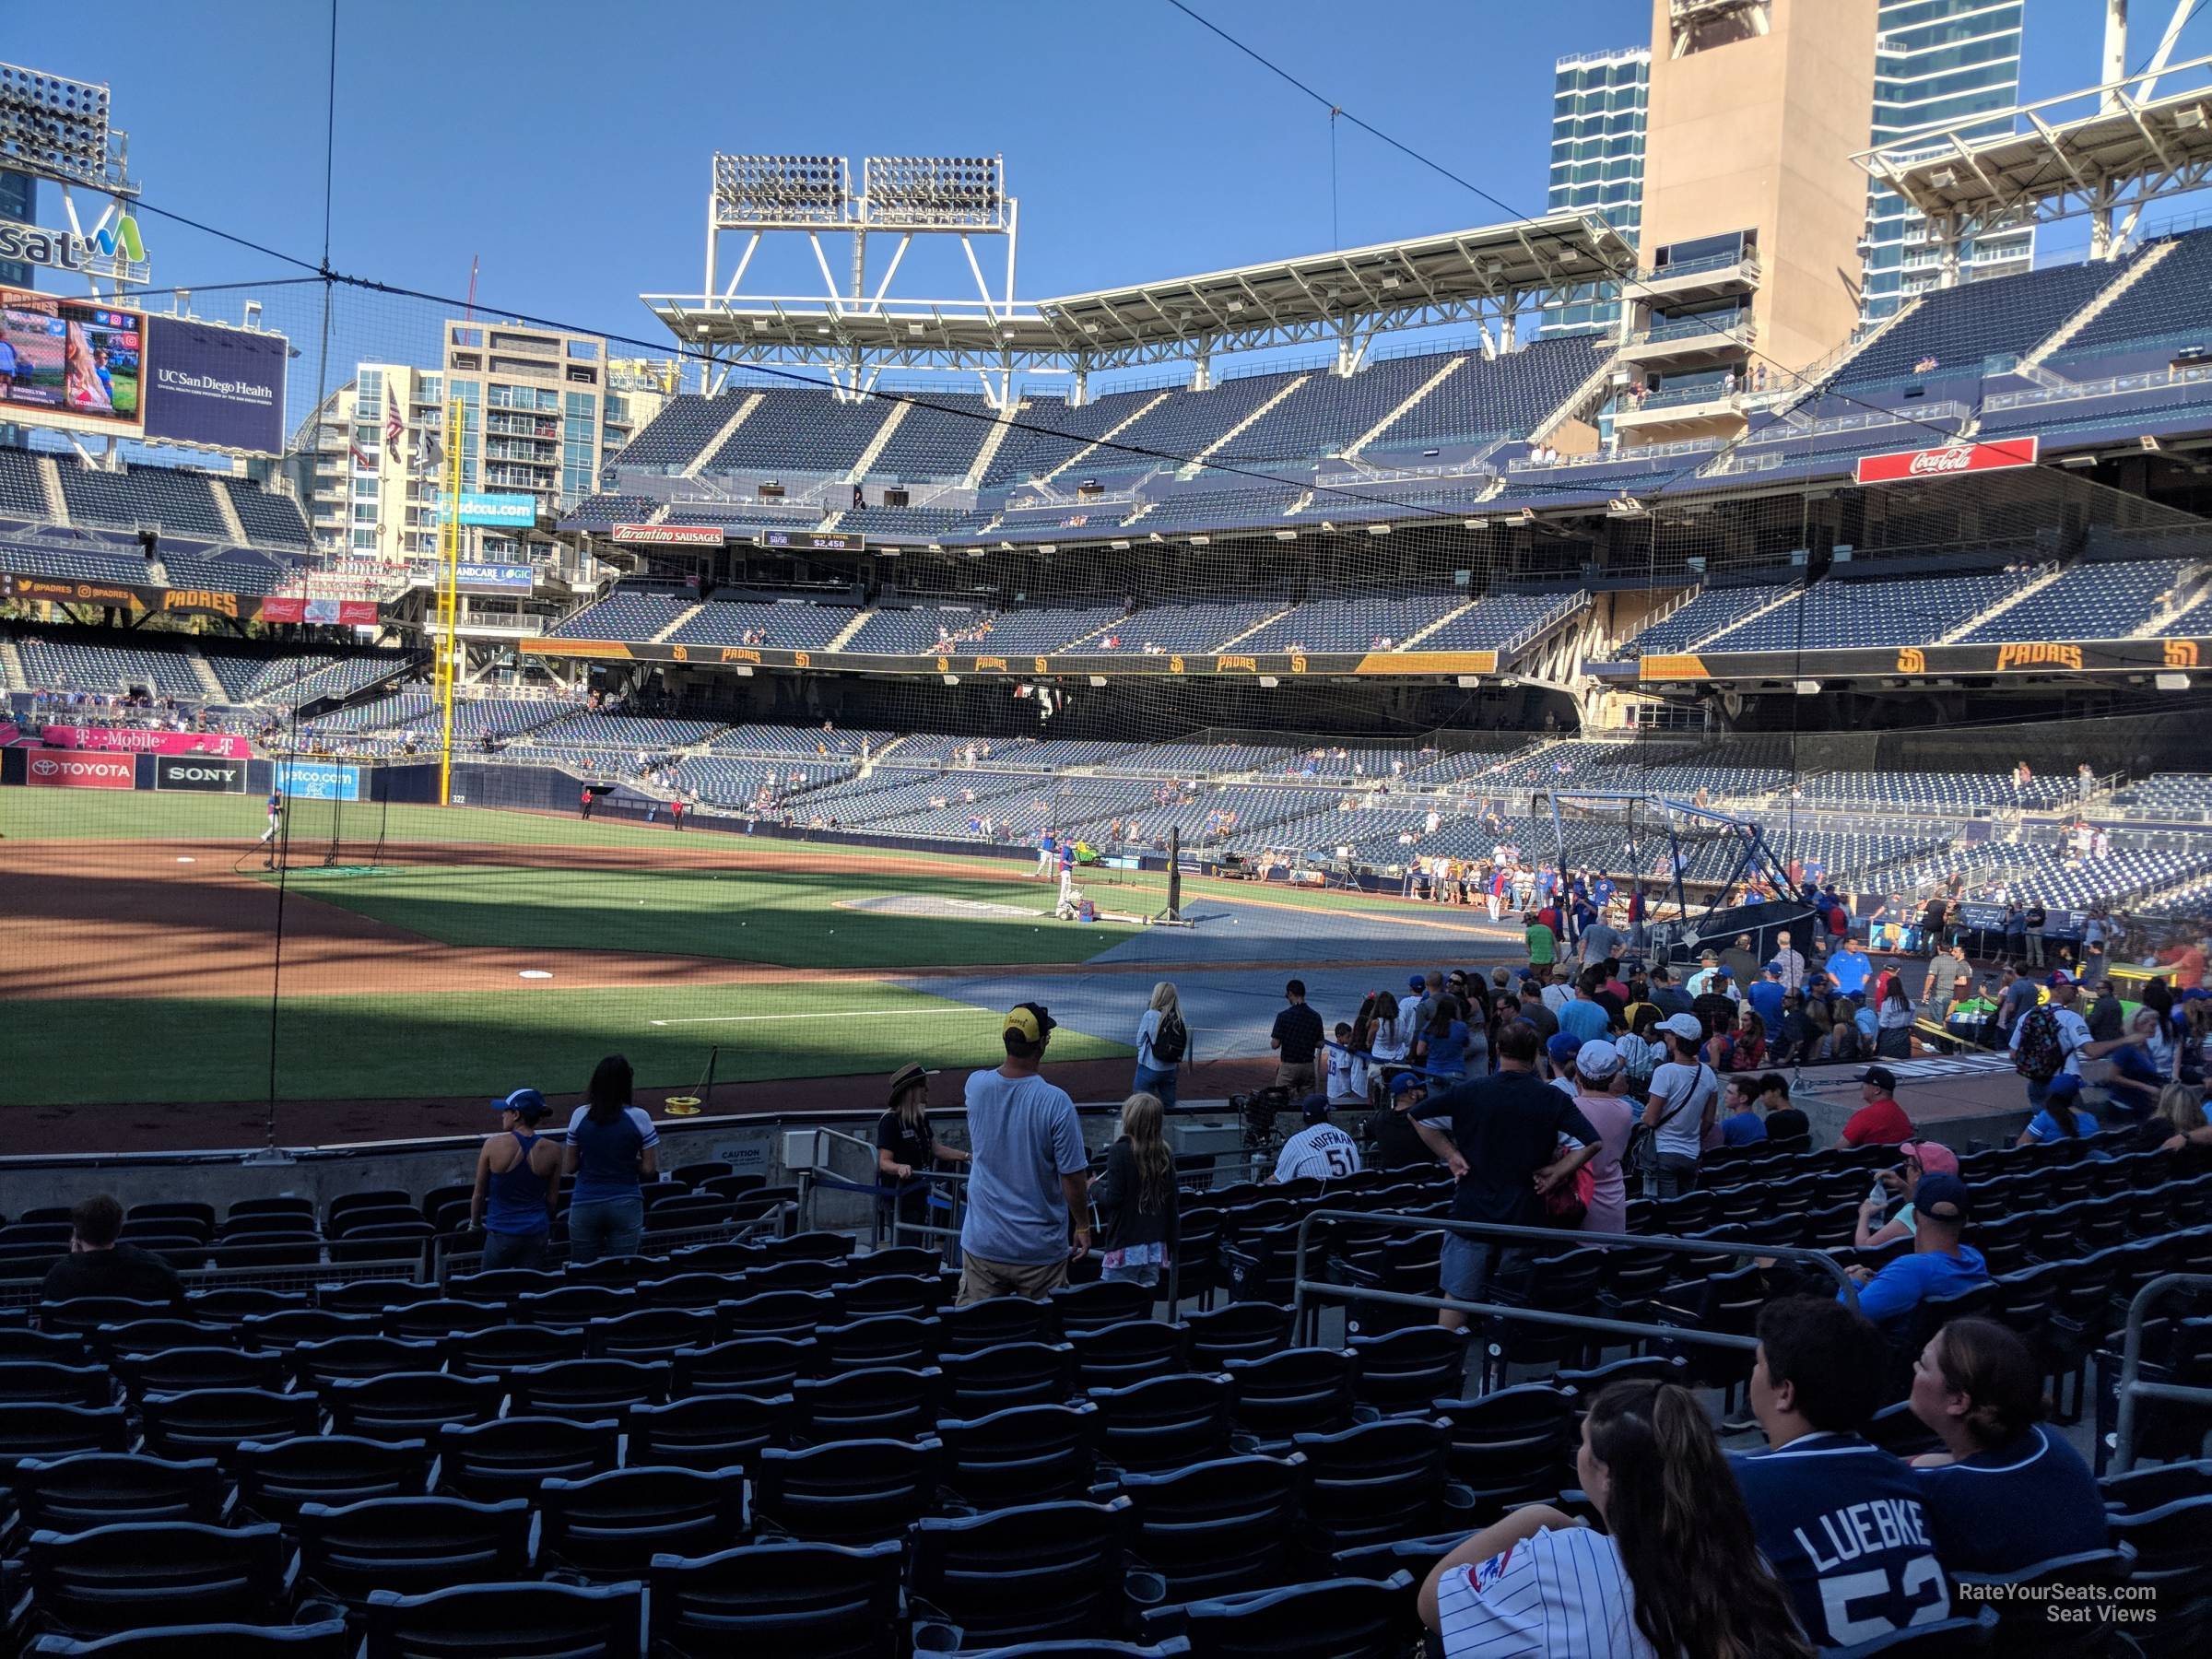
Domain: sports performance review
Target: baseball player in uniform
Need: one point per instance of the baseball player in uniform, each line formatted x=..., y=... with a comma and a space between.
x=1067, y=870
x=1044, y=856
x=276, y=818
x=1320, y=1149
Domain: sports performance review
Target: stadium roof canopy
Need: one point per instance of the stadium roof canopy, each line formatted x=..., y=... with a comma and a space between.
x=1348, y=297
x=2101, y=151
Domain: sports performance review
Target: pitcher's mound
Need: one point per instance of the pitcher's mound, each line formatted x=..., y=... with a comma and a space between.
x=927, y=904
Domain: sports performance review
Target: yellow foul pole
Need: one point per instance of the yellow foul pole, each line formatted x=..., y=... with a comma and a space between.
x=449, y=600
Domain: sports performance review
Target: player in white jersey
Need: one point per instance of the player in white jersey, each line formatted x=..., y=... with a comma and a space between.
x=1320, y=1149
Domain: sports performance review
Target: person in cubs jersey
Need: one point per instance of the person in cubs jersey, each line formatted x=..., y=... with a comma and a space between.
x=1842, y=1521
x=1320, y=1149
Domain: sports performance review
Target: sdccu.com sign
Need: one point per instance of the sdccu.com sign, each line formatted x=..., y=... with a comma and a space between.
x=206, y=774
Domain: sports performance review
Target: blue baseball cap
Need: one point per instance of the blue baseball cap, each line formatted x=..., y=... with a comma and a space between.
x=1416, y=982
x=1405, y=1082
x=2064, y=1083
x=1563, y=1046
x=525, y=1103
x=1943, y=1198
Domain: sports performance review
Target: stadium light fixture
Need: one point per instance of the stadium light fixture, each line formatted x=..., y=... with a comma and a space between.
x=932, y=192
x=55, y=126
x=782, y=190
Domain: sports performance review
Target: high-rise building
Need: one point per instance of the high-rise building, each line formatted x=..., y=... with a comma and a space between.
x=542, y=414
x=18, y=201
x=1939, y=63
x=1598, y=105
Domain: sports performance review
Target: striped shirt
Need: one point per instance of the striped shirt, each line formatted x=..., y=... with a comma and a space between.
x=1560, y=1595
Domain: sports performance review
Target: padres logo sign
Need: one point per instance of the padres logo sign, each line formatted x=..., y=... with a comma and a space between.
x=1910, y=660
x=2037, y=657
x=802, y=659
x=1175, y=665
x=2181, y=654
x=681, y=653
x=1297, y=664
x=739, y=653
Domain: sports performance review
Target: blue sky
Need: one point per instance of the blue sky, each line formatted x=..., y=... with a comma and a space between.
x=566, y=144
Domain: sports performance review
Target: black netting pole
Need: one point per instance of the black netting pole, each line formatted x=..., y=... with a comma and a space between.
x=1174, y=910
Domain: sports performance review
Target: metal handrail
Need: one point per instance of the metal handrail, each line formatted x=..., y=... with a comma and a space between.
x=2132, y=1386
x=1301, y=1314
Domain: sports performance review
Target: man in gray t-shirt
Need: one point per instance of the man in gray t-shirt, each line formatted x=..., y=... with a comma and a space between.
x=1029, y=1175
x=1946, y=970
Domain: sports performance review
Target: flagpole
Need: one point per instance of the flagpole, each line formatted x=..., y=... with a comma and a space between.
x=449, y=601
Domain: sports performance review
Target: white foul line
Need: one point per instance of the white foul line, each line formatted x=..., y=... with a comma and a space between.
x=839, y=1014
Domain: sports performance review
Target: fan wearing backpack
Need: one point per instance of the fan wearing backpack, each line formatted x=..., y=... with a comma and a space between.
x=2049, y=1040
x=1162, y=1040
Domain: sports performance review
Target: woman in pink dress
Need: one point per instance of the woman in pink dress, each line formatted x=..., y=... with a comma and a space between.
x=1601, y=1075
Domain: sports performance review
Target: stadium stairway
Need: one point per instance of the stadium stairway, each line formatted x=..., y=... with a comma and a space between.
x=226, y=510
x=202, y=671
x=992, y=440
x=681, y=618
x=2189, y=591
x=844, y=634
x=1776, y=603
x=2142, y=266
x=50, y=480
x=1412, y=640
x=1572, y=406
x=2049, y=574
x=1108, y=436
x=1262, y=622
x=11, y=666
x=1197, y=465
x=1398, y=414
x=698, y=463
x=892, y=422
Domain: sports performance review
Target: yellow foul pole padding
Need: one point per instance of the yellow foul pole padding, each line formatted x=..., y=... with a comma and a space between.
x=449, y=600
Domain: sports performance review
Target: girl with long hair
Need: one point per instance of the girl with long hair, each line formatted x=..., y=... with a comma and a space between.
x=1893, y=1019
x=611, y=1152
x=1156, y=1072
x=1676, y=1572
x=1443, y=1046
x=907, y=1145
x=1136, y=1196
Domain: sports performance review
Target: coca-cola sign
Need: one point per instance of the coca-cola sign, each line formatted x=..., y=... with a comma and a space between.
x=49, y=770
x=1997, y=455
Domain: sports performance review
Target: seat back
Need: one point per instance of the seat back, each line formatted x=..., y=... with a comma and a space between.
x=900, y=1339
x=212, y=1422
x=1245, y=1330
x=275, y=1478
x=510, y=1456
x=709, y=1431
x=613, y=1525
x=848, y=1491
x=993, y=1321
x=506, y=1622
x=404, y=1405
x=410, y=1545
x=1164, y=1422
x=1513, y=1446
x=117, y=1578
x=1345, y=1618
x=1101, y=1302
x=1029, y=1573
x=1404, y=1371
x=1379, y=1480
x=587, y=1387
x=1117, y=1355
x=327, y=1639
x=1296, y=1390
x=823, y=1600
x=1023, y=1454
x=101, y=1488
x=1218, y=1526
x=885, y=1403
x=754, y=1365
x=1012, y=1373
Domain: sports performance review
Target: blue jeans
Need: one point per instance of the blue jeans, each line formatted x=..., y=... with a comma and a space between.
x=515, y=1250
x=606, y=1227
x=1469, y=1267
x=1161, y=1083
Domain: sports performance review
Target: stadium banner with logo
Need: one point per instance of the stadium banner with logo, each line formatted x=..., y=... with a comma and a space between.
x=214, y=387
x=108, y=594
x=2017, y=657
x=145, y=741
x=204, y=774
x=318, y=780
x=60, y=769
x=672, y=536
x=493, y=578
x=1945, y=461
x=492, y=511
x=292, y=608
x=1123, y=664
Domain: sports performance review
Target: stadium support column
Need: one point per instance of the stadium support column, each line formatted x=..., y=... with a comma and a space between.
x=448, y=643
x=1174, y=911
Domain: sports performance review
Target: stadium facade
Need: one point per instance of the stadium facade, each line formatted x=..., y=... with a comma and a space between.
x=1599, y=103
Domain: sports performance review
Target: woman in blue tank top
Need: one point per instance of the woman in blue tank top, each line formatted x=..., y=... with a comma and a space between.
x=518, y=1174
x=611, y=1152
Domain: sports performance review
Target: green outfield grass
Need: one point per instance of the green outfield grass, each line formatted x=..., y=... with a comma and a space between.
x=93, y=1051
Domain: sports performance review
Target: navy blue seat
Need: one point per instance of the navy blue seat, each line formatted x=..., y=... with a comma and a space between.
x=1029, y=1573
x=823, y=1600
x=327, y=1639
x=1025, y=1454
x=612, y=1525
x=848, y=1491
x=275, y=1478
x=109, y=1578
x=1221, y=1526
x=1345, y=1618
x=512, y=1456
x=507, y=1622
x=410, y=1545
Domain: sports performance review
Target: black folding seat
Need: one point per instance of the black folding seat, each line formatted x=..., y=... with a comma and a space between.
x=512, y=1456
x=502, y=1284
x=2022, y=1599
x=650, y=1334
x=506, y=1622
x=881, y=1403
x=580, y=1388
x=82, y=1316
x=410, y=1545
x=1247, y=1330
x=51, y=1431
x=404, y=1405
x=612, y=1525
x=42, y=1383
x=899, y=1339
x=1344, y=1618
x=1117, y=1355
x=819, y=1246
x=109, y=1578
x=724, y=1256
x=1511, y=1447
x=233, y=1305
x=2172, y=1545
x=1640, y=1367
x=916, y=1295
x=702, y=1291
x=436, y=1321
x=327, y=1639
x=613, y=1273
x=201, y=1215
x=995, y=1322
x=1165, y=1422
x=708, y=1431
x=753, y=1365
x=1012, y=1373
x=1565, y=1283
x=101, y=1488
x=56, y=1347
x=214, y=1422
x=1103, y=1302
x=275, y=1478
x=319, y=1364
x=572, y=1305
x=1407, y=1371
x=822, y=1600
x=1220, y=1526
x=375, y=1295
x=148, y=1336
x=793, y=1313
x=1025, y=1453
x=173, y=1371
x=1296, y=1390
x=1031, y=1573
x=848, y=1491
x=2153, y=1485
x=293, y=1327
x=903, y=1259
x=1382, y=1480
x=348, y=1205
x=502, y=1350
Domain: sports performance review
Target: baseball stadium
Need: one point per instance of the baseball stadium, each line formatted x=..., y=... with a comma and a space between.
x=1248, y=961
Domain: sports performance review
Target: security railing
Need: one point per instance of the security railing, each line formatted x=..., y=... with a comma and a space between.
x=1307, y=1291
x=2134, y=1389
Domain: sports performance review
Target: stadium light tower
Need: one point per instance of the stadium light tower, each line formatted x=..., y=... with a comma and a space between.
x=849, y=330
x=55, y=129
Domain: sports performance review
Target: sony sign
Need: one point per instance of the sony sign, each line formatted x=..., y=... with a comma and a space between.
x=113, y=249
x=204, y=774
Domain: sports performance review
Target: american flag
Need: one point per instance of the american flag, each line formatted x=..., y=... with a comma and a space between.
x=395, y=425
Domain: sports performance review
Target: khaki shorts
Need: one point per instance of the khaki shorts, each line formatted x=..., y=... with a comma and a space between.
x=1299, y=1078
x=981, y=1280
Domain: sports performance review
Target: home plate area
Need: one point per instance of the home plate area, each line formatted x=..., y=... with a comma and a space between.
x=930, y=904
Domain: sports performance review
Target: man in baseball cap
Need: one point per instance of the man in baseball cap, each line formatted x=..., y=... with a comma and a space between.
x=1880, y=1121
x=1685, y=1094
x=1940, y=1264
x=1029, y=1205
x=1921, y=1157
x=1561, y=1048
x=1319, y=1150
